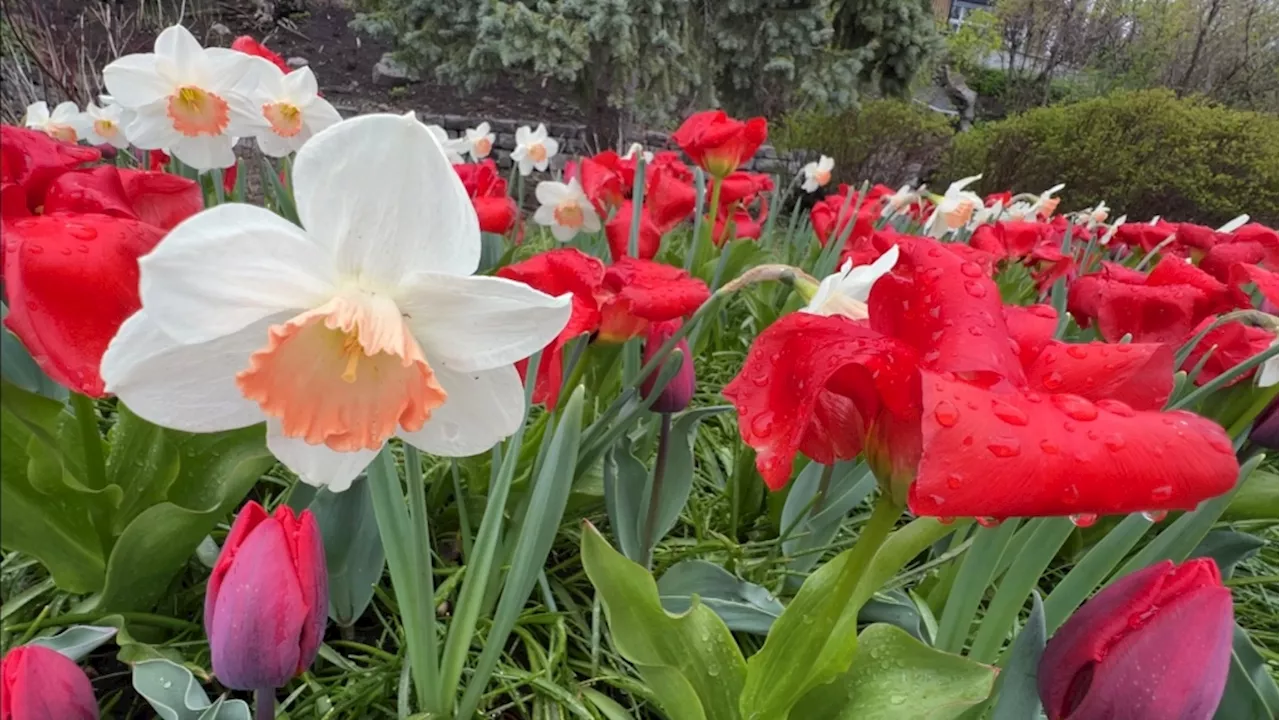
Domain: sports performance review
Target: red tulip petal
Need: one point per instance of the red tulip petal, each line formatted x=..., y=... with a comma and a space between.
x=160, y=198
x=496, y=214
x=636, y=292
x=1032, y=328
x=250, y=516
x=306, y=548
x=249, y=46
x=71, y=284
x=93, y=190
x=1233, y=343
x=618, y=232
x=33, y=160
x=813, y=384
x=668, y=199
x=1148, y=313
x=1140, y=375
x=1025, y=454
x=43, y=684
x=1264, y=236
x=1266, y=281
x=949, y=310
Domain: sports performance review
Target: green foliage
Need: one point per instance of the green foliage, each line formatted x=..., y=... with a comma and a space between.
x=1145, y=153
x=886, y=141
x=652, y=59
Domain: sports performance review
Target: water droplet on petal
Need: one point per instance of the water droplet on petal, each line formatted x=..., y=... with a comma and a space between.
x=1123, y=348
x=1077, y=352
x=954, y=481
x=1115, y=407
x=970, y=269
x=66, y=251
x=1070, y=495
x=1114, y=442
x=975, y=288
x=1155, y=516
x=81, y=232
x=935, y=252
x=1004, y=447
x=1092, y=435
x=1220, y=444
x=1052, y=380
x=988, y=522
x=946, y=414
x=1033, y=397
x=1043, y=311
x=1008, y=413
x=1076, y=407
x=968, y=440
x=933, y=274
x=1049, y=447
x=1084, y=520
x=762, y=424
x=1162, y=493
x=945, y=520
x=34, y=249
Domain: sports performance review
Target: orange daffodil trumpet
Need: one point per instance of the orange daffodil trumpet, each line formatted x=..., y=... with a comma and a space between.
x=291, y=108
x=817, y=174
x=364, y=324
x=61, y=124
x=955, y=209
x=565, y=208
x=187, y=100
x=534, y=149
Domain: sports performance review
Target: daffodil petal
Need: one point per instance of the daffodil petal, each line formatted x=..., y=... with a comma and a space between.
x=229, y=267
x=482, y=409
x=133, y=80
x=185, y=387
x=477, y=323
x=379, y=191
x=317, y=464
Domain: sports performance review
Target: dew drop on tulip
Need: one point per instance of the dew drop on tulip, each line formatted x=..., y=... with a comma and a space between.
x=954, y=481
x=762, y=424
x=945, y=520
x=1162, y=493
x=946, y=414
x=1155, y=516
x=1076, y=407
x=1008, y=413
x=988, y=522
x=1221, y=445
x=1114, y=442
x=1083, y=520
x=1115, y=407
x=1052, y=380
x=971, y=270
x=1070, y=495
x=1004, y=447
x=1049, y=447
x=975, y=288
x=1077, y=352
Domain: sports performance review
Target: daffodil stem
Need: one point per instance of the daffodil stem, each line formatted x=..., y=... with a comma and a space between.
x=655, y=494
x=1245, y=421
x=264, y=702
x=420, y=557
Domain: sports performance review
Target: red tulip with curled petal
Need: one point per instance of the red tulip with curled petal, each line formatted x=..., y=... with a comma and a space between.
x=1144, y=236
x=1161, y=306
x=72, y=280
x=38, y=683
x=249, y=46
x=936, y=387
x=618, y=232
x=669, y=200
x=1231, y=343
x=33, y=160
x=156, y=198
x=495, y=210
x=718, y=143
x=1153, y=645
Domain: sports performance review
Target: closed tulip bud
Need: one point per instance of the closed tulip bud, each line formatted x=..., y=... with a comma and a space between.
x=37, y=683
x=1266, y=429
x=268, y=599
x=1153, y=645
x=677, y=394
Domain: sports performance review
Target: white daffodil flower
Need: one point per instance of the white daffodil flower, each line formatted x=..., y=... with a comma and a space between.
x=1098, y=214
x=479, y=141
x=534, y=149
x=187, y=100
x=846, y=292
x=291, y=108
x=104, y=125
x=366, y=323
x=453, y=147
x=904, y=198
x=817, y=174
x=955, y=209
x=1234, y=224
x=1045, y=206
x=1111, y=230
x=638, y=149
x=565, y=209
x=62, y=124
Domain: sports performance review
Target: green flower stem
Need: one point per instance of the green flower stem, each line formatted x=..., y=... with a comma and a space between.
x=899, y=549
x=95, y=467
x=264, y=703
x=1222, y=380
x=655, y=494
x=1245, y=421
x=637, y=207
x=714, y=210
x=89, y=618
x=421, y=565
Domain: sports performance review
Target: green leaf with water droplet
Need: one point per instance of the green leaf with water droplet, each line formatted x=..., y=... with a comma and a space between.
x=896, y=677
x=690, y=662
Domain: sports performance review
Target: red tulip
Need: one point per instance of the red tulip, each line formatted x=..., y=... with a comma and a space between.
x=1232, y=343
x=602, y=181
x=744, y=226
x=249, y=46
x=33, y=160
x=960, y=414
x=669, y=200
x=37, y=683
x=1143, y=235
x=618, y=232
x=824, y=214
x=496, y=211
x=267, y=600
x=1267, y=282
x=615, y=303
x=155, y=160
x=156, y=198
x=677, y=394
x=1161, y=306
x=1153, y=645
x=719, y=144
x=72, y=280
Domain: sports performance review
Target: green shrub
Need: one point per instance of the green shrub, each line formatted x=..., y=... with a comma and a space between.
x=887, y=141
x=1145, y=153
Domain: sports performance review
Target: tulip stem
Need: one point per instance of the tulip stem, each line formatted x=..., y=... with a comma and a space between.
x=95, y=466
x=264, y=702
x=824, y=486
x=1245, y=421
x=655, y=494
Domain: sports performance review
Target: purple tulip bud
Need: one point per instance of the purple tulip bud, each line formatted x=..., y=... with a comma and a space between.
x=1153, y=645
x=268, y=599
x=1266, y=429
x=676, y=396
x=37, y=683
x=108, y=151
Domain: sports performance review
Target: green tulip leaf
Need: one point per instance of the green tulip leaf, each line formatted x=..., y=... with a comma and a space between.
x=896, y=677
x=18, y=367
x=1257, y=499
x=352, y=549
x=1228, y=548
x=625, y=478
x=1019, y=695
x=813, y=527
x=901, y=609
x=743, y=606
x=224, y=709
x=690, y=662
x=78, y=641
x=1251, y=686
x=175, y=694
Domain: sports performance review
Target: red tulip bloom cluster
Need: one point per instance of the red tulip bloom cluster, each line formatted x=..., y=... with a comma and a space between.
x=966, y=406
x=1153, y=645
x=613, y=303
x=37, y=683
x=488, y=192
x=268, y=599
x=83, y=228
x=719, y=144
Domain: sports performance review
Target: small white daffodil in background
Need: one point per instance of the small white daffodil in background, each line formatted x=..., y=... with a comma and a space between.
x=1111, y=230
x=1048, y=201
x=817, y=174
x=453, y=147
x=1098, y=214
x=104, y=125
x=565, y=209
x=534, y=149
x=846, y=292
x=364, y=324
x=291, y=108
x=904, y=198
x=187, y=100
x=61, y=124
x=479, y=141
x=955, y=209
x=637, y=149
